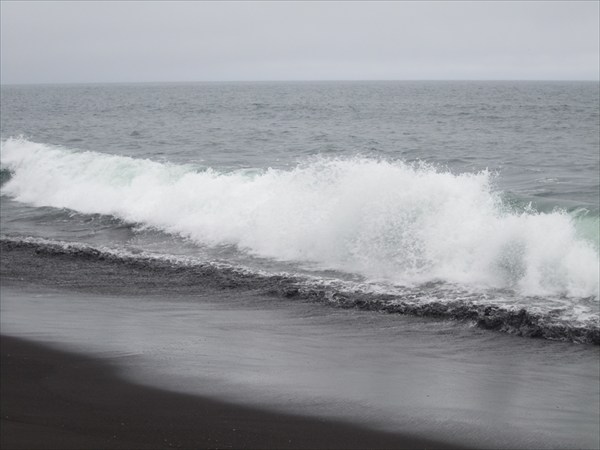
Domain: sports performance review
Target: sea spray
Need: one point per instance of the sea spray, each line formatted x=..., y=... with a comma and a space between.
x=387, y=220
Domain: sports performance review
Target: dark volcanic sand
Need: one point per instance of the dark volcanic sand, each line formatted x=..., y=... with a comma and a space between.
x=53, y=399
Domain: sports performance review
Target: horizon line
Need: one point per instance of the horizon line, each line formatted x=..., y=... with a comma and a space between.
x=53, y=83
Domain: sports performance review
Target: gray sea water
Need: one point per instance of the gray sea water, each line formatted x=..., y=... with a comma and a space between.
x=487, y=191
x=236, y=232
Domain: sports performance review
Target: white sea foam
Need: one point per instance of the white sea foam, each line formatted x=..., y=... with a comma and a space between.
x=386, y=220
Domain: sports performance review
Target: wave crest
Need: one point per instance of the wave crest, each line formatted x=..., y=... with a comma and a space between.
x=408, y=224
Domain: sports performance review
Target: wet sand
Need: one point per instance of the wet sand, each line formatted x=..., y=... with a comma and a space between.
x=172, y=363
x=58, y=400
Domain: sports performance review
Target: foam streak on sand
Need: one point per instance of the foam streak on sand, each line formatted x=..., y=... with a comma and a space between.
x=403, y=223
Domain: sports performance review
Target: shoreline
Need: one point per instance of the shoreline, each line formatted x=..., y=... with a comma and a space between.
x=128, y=274
x=56, y=399
x=226, y=359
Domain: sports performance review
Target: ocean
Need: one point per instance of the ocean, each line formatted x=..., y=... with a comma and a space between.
x=271, y=236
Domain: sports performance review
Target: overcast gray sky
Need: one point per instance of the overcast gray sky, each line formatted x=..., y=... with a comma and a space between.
x=63, y=42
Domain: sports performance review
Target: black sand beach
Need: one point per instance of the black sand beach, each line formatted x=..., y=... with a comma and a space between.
x=59, y=400
x=174, y=359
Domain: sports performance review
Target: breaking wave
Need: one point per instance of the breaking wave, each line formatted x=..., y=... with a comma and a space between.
x=406, y=224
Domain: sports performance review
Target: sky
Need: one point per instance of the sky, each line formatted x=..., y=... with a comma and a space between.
x=139, y=41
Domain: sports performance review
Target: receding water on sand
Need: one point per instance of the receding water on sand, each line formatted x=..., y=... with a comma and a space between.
x=438, y=379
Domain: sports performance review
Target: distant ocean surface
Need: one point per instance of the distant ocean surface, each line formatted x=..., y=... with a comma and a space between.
x=475, y=201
